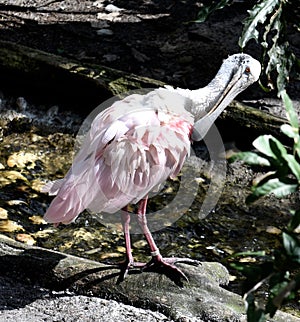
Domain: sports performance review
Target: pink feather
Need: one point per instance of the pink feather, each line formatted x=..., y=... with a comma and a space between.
x=131, y=148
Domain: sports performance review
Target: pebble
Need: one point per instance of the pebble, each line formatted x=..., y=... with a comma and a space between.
x=37, y=220
x=26, y=239
x=21, y=159
x=16, y=202
x=104, y=32
x=98, y=4
x=110, y=57
x=9, y=177
x=9, y=226
x=112, y=8
x=3, y=213
x=21, y=104
x=273, y=230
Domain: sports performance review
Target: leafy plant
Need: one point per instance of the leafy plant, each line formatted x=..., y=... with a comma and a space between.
x=206, y=11
x=267, y=24
x=283, y=176
x=281, y=270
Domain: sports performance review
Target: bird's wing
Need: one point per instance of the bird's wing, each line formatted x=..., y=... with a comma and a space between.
x=132, y=147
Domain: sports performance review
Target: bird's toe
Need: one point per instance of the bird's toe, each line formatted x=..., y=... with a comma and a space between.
x=167, y=267
x=127, y=266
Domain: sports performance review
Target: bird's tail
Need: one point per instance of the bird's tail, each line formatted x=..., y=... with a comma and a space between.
x=63, y=210
x=66, y=206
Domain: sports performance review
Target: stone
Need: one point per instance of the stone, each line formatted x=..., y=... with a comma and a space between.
x=37, y=282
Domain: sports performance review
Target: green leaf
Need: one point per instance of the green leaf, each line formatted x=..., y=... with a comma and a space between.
x=293, y=165
x=262, y=144
x=289, y=131
x=284, y=66
x=278, y=149
x=254, y=313
x=279, y=61
x=276, y=52
x=287, y=292
x=206, y=11
x=279, y=57
x=250, y=158
x=295, y=221
x=292, y=247
x=258, y=14
x=270, y=307
x=249, y=253
x=297, y=147
x=278, y=188
x=254, y=272
x=274, y=24
x=277, y=285
x=291, y=113
x=261, y=179
x=263, y=87
x=270, y=146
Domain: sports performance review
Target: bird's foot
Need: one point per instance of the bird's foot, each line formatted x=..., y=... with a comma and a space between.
x=167, y=267
x=126, y=266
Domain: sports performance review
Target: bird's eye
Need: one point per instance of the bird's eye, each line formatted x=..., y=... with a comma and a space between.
x=247, y=70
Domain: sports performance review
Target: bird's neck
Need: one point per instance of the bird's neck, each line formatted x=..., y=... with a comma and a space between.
x=205, y=99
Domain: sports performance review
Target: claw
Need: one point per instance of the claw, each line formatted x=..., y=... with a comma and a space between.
x=125, y=267
x=167, y=267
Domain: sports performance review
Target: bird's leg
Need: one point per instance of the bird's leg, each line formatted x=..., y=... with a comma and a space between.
x=129, y=261
x=125, y=218
x=158, y=263
x=143, y=224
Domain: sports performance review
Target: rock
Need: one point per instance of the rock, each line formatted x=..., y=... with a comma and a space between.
x=21, y=159
x=113, y=8
x=42, y=305
x=3, y=214
x=98, y=4
x=40, y=283
x=104, y=32
x=10, y=226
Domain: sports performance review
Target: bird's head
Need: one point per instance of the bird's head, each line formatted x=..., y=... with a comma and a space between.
x=244, y=71
x=236, y=73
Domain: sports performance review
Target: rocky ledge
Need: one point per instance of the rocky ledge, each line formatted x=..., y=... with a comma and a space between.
x=52, y=286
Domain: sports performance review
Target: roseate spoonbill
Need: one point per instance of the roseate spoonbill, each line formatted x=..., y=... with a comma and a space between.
x=135, y=145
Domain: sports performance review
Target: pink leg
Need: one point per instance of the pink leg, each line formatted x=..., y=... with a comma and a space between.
x=143, y=223
x=129, y=262
x=158, y=263
x=125, y=223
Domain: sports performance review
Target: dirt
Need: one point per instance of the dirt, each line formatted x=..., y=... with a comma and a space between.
x=149, y=38
x=157, y=39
